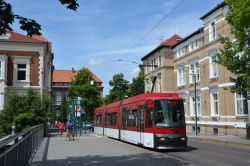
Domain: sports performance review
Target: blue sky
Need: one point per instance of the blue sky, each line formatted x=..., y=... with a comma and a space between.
x=102, y=32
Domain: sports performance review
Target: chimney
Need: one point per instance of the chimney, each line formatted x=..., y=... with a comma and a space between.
x=73, y=70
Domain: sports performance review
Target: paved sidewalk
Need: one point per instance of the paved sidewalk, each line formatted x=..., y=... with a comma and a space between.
x=220, y=139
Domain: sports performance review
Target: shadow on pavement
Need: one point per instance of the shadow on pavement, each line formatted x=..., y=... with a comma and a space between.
x=144, y=159
x=188, y=149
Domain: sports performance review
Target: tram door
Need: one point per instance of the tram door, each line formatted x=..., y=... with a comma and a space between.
x=140, y=126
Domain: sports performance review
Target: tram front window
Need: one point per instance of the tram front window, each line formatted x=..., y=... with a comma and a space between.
x=169, y=113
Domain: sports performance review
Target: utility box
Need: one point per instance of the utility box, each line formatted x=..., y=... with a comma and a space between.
x=248, y=130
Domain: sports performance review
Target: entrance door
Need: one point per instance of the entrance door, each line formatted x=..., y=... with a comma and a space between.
x=140, y=127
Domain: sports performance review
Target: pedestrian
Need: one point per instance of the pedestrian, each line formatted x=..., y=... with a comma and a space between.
x=61, y=127
x=69, y=126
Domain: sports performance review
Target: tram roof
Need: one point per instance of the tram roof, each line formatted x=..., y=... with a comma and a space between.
x=138, y=98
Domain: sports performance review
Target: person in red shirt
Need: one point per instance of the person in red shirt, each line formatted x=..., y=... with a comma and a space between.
x=61, y=127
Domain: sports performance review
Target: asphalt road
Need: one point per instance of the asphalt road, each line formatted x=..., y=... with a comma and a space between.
x=207, y=153
x=92, y=150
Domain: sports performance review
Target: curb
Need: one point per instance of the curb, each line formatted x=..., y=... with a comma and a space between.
x=219, y=141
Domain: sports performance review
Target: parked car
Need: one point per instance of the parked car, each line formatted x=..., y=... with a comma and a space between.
x=87, y=125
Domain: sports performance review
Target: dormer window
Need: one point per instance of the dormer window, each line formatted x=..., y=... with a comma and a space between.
x=180, y=52
x=193, y=45
x=212, y=31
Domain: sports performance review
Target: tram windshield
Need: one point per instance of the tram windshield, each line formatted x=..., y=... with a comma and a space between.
x=169, y=113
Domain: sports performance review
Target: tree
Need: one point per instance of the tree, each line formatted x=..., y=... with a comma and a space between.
x=7, y=18
x=235, y=56
x=63, y=110
x=137, y=86
x=119, y=89
x=82, y=86
x=25, y=111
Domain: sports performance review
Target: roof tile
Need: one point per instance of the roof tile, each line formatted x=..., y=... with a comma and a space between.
x=68, y=76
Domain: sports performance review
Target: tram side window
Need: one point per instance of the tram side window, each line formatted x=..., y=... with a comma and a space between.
x=111, y=118
x=149, y=118
x=134, y=118
x=124, y=118
x=128, y=121
x=131, y=118
x=98, y=119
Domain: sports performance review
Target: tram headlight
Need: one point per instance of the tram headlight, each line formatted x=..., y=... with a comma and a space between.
x=162, y=139
x=183, y=138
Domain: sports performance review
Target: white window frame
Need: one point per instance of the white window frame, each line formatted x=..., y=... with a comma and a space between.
x=192, y=105
x=213, y=104
x=181, y=76
x=194, y=69
x=213, y=67
x=212, y=31
x=58, y=98
x=21, y=60
x=193, y=45
x=159, y=61
x=22, y=69
x=180, y=52
x=3, y=67
x=242, y=105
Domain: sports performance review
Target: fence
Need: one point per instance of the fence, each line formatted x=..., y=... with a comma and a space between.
x=18, y=149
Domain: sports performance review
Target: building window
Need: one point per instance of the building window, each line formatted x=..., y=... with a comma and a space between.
x=3, y=63
x=213, y=65
x=184, y=103
x=147, y=68
x=159, y=61
x=193, y=45
x=194, y=73
x=214, y=104
x=154, y=64
x=212, y=31
x=159, y=83
x=241, y=105
x=192, y=105
x=58, y=98
x=21, y=71
x=67, y=96
x=181, y=76
x=180, y=52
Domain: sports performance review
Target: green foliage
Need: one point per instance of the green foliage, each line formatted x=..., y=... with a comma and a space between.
x=119, y=90
x=82, y=87
x=7, y=18
x=24, y=120
x=138, y=85
x=235, y=56
x=63, y=110
x=23, y=111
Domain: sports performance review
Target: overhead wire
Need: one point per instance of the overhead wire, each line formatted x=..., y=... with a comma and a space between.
x=155, y=26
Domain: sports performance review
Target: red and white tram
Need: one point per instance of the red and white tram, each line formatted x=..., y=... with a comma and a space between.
x=154, y=120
